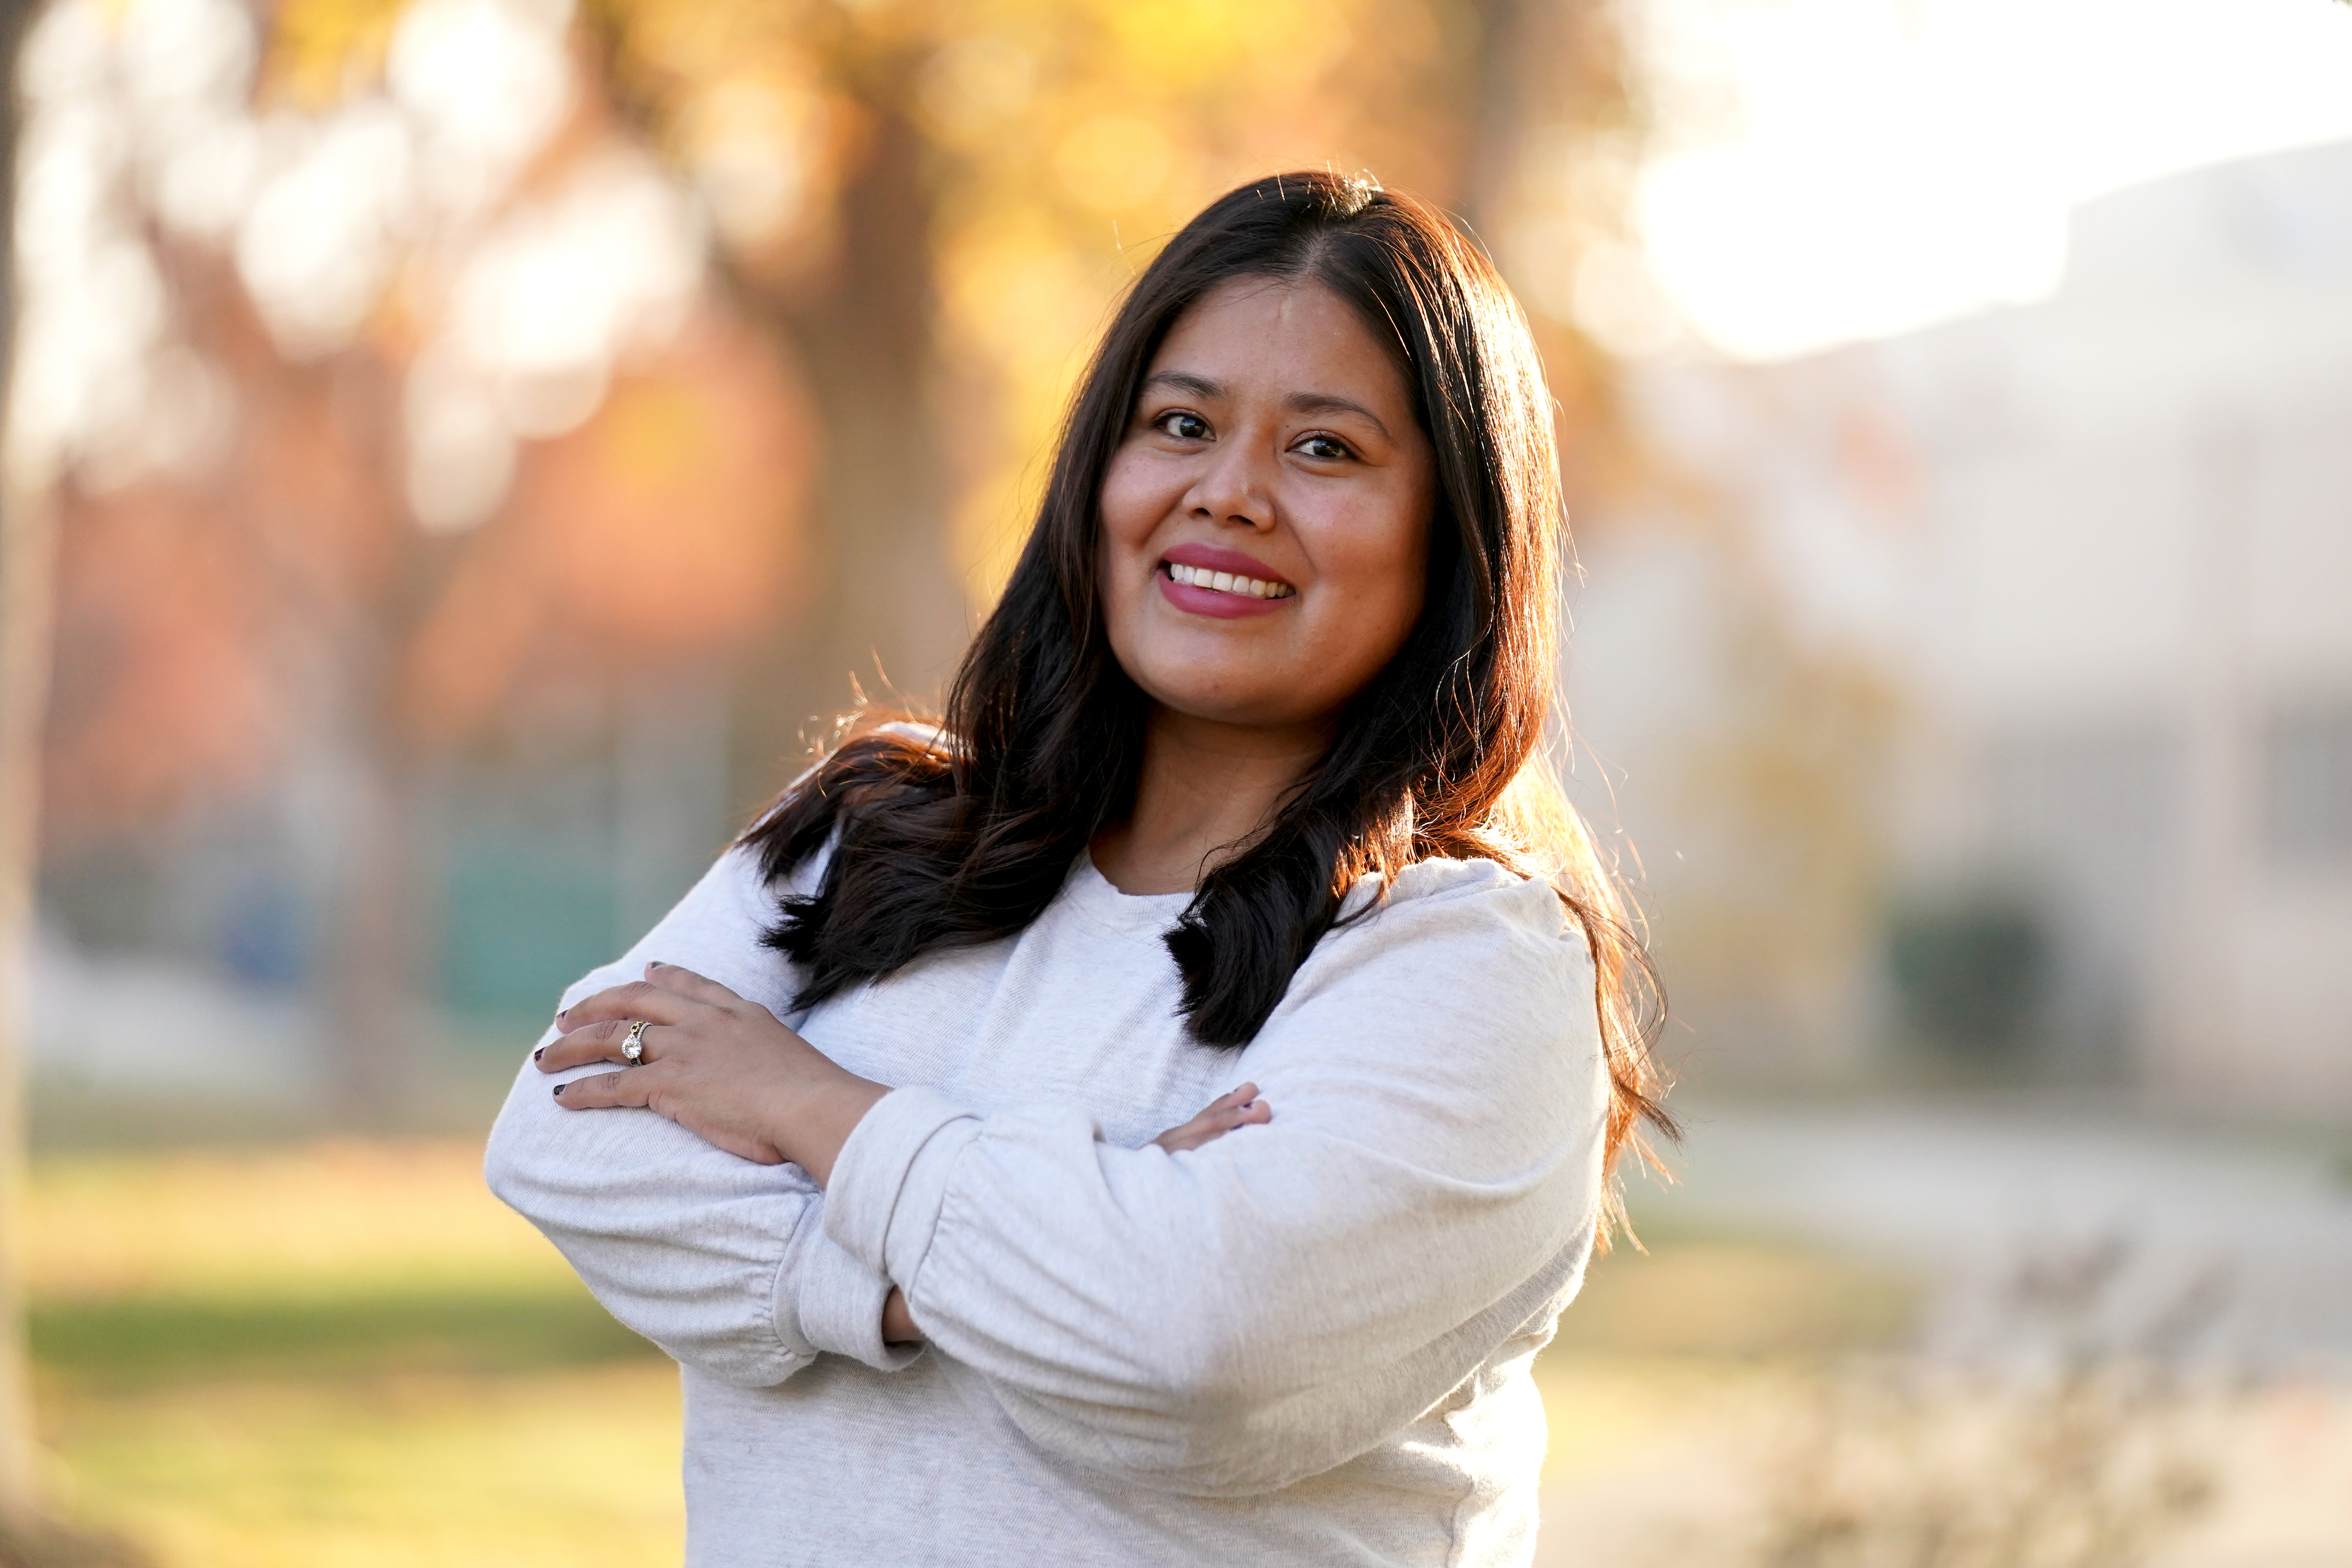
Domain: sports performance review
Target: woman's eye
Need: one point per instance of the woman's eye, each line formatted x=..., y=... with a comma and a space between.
x=1324, y=448
x=1183, y=427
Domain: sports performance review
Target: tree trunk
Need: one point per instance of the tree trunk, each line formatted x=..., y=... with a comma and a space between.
x=380, y=1057
x=27, y=557
x=1554, y=89
x=886, y=609
x=1497, y=111
x=27, y=549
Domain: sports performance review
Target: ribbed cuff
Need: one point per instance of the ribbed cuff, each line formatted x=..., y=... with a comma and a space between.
x=839, y=1305
x=881, y=1207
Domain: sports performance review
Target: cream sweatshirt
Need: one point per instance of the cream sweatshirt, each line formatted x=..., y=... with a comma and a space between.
x=1306, y=1342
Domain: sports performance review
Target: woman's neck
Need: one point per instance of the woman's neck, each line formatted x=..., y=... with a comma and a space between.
x=1204, y=787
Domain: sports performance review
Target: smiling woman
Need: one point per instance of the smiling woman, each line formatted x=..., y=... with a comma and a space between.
x=1239, y=782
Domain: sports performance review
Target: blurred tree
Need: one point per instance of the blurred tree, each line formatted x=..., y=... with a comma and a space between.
x=286, y=377
x=30, y=1535
x=423, y=476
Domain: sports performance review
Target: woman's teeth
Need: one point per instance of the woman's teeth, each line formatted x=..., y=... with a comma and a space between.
x=1227, y=582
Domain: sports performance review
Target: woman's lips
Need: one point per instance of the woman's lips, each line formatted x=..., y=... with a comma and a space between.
x=1195, y=589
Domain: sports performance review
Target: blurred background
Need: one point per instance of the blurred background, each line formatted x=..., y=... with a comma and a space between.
x=461, y=452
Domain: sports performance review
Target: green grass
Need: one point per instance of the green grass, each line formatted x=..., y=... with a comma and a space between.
x=570, y=1470
x=158, y=1341
x=349, y=1356
x=342, y=1355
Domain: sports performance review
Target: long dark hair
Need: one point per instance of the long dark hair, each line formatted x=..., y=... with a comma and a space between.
x=965, y=839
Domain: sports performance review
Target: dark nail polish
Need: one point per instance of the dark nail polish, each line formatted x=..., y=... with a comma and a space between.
x=539, y=1053
x=559, y=1090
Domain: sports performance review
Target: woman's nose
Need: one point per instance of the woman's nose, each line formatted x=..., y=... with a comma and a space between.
x=1237, y=488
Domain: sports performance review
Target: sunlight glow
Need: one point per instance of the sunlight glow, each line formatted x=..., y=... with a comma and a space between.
x=538, y=288
x=545, y=306
x=1834, y=170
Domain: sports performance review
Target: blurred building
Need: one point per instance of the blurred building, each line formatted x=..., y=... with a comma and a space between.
x=2093, y=556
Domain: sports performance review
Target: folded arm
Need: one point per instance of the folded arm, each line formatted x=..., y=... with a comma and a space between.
x=721, y=1261
x=1234, y=1318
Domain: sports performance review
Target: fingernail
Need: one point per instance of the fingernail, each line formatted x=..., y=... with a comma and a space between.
x=539, y=1053
x=559, y=1090
x=562, y=1014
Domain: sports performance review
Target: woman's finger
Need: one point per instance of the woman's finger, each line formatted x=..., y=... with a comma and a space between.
x=637, y=999
x=1226, y=1103
x=687, y=984
x=639, y=1087
x=601, y=1090
x=1240, y=1107
x=1225, y=1117
x=597, y=1042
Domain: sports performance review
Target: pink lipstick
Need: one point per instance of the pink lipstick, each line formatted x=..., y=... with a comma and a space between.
x=1209, y=581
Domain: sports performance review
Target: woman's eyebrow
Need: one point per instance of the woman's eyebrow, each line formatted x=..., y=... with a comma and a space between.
x=1326, y=403
x=1185, y=382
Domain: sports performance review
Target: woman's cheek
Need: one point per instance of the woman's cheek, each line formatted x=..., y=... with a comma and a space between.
x=1377, y=561
x=1128, y=512
x=1396, y=568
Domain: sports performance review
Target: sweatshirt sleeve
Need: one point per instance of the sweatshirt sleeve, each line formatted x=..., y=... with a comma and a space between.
x=1234, y=1319
x=723, y=1263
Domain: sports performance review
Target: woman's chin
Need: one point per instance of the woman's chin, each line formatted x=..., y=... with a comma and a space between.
x=1252, y=707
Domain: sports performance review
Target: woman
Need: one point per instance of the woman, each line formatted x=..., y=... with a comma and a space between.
x=1237, y=787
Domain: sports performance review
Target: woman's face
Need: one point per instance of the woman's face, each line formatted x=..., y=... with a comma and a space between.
x=1266, y=518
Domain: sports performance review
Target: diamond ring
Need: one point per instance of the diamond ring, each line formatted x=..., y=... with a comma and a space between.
x=633, y=1050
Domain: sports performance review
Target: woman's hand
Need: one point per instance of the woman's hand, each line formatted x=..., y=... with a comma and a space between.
x=1241, y=1108
x=717, y=1065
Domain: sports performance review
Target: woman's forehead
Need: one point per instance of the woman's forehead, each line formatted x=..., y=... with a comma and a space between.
x=1293, y=337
